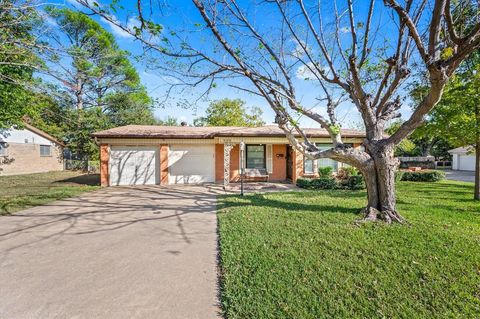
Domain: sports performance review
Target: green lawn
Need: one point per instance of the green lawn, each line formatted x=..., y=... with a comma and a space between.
x=22, y=191
x=301, y=255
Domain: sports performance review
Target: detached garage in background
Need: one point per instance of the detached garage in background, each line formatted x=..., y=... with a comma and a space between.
x=463, y=159
x=162, y=155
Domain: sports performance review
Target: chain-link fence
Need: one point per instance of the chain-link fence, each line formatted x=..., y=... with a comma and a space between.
x=82, y=165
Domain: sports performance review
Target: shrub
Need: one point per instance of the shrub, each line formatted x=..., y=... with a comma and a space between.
x=323, y=183
x=304, y=183
x=316, y=183
x=354, y=182
x=352, y=171
x=398, y=176
x=325, y=172
x=422, y=176
x=344, y=173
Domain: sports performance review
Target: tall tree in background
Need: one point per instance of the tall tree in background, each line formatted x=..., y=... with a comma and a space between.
x=66, y=73
x=349, y=53
x=457, y=116
x=90, y=65
x=18, y=60
x=427, y=140
x=456, y=119
x=227, y=112
x=92, y=80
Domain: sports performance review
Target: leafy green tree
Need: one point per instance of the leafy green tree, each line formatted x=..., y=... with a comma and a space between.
x=427, y=140
x=124, y=108
x=18, y=60
x=95, y=66
x=169, y=121
x=456, y=119
x=93, y=84
x=228, y=112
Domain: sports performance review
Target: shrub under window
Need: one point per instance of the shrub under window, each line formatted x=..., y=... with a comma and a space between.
x=420, y=176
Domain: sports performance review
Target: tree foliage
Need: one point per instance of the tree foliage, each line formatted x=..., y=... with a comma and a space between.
x=18, y=56
x=94, y=66
x=228, y=112
x=93, y=83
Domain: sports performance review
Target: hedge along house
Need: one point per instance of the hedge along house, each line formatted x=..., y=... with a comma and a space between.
x=149, y=155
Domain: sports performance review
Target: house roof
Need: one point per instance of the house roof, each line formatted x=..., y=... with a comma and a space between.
x=462, y=150
x=42, y=133
x=206, y=132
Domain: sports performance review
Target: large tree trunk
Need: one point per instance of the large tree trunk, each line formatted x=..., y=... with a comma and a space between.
x=476, y=192
x=380, y=183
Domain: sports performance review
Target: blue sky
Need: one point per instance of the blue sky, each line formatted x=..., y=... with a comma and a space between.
x=307, y=92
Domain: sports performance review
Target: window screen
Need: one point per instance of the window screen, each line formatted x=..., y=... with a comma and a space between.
x=255, y=156
x=324, y=162
x=45, y=150
x=308, y=166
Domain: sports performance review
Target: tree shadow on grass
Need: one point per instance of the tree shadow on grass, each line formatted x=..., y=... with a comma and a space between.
x=87, y=179
x=261, y=201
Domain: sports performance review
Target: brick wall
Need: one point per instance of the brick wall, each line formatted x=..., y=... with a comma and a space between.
x=219, y=163
x=298, y=165
x=164, y=164
x=279, y=163
x=26, y=159
x=235, y=163
x=104, y=159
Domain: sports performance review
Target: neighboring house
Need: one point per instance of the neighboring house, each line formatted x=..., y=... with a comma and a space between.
x=132, y=154
x=29, y=150
x=463, y=158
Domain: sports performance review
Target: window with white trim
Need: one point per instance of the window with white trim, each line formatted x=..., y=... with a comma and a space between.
x=45, y=150
x=308, y=166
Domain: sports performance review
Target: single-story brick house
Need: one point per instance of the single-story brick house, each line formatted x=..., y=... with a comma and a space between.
x=29, y=150
x=134, y=154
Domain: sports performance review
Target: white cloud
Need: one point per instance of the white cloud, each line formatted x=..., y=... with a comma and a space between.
x=120, y=32
x=304, y=72
x=116, y=30
x=78, y=4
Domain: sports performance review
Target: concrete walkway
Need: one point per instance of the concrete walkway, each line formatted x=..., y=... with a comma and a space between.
x=461, y=176
x=124, y=252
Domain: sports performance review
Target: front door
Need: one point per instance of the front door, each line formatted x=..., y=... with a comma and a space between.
x=289, y=162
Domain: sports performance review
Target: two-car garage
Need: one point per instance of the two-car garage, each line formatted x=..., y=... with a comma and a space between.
x=141, y=165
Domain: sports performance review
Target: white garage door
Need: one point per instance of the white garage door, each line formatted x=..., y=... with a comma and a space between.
x=191, y=164
x=466, y=163
x=134, y=166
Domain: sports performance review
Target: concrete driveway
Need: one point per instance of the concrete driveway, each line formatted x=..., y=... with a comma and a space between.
x=461, y=176
x=120, y=252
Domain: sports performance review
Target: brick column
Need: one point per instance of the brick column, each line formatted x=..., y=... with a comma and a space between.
x=104, y=159
x=164, y=164
x=297, y=165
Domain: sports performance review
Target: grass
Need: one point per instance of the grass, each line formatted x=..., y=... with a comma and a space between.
x=23, y=191
x=300, y=255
